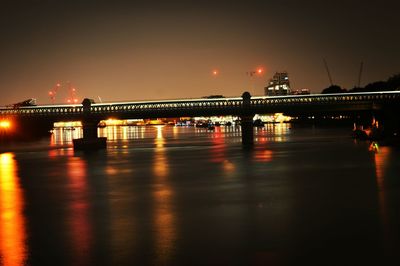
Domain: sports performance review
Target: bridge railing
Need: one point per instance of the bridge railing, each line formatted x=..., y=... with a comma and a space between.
x=191, y=106
x=327, y=98
x=165, y=106
x=43, y=110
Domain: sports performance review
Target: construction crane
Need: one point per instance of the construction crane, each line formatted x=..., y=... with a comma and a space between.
x=327, y=70
x=53, y=92
x=359, y=74
x=72, y=94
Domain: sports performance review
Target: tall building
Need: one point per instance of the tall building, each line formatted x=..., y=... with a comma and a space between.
x=278, y=85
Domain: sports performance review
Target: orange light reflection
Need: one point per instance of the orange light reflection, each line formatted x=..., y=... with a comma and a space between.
x=218, y=146
x=381, y=157
x=164, y=219
x=13, y=249
x=79, y=223
x=228, y=166
x=263, y=155
x=65, y=135
x=160, y=165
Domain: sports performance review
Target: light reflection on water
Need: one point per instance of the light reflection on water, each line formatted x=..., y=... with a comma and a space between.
x=277, y=132
x=122, y=132
x=246, y=200
x=164, y=220
x=13, y=249
x=79, y=223
x=218, y=147
x=62, y=136
x=381, y=157
x=160, y=162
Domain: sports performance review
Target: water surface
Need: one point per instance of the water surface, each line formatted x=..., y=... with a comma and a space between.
x=167, y=195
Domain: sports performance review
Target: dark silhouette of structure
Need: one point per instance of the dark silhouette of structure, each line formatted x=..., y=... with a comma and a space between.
x=363, y=107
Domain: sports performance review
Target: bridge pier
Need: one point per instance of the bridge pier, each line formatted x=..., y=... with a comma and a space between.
x=246, y=122
x=90, y=140
x=89, y=128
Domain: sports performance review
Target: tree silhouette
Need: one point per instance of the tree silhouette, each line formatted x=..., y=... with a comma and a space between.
x=333, y=89
x=392, y=83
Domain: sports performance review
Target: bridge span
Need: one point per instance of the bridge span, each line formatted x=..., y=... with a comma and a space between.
x=384, y=105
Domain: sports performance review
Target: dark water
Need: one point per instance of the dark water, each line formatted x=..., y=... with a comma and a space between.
x=185, y=196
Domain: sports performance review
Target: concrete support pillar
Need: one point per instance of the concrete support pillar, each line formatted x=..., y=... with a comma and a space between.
x=90, y=129
x=246, y=124
x=247, y=121
x=90, y=140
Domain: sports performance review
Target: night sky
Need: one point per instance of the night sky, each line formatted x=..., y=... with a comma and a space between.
x=128, y=50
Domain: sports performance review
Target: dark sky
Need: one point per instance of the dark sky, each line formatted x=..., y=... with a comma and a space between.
x=128, y=50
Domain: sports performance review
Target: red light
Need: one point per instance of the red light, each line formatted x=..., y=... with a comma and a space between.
x=68, y=100
x=75, y=100
x=215, y=72
x=50, y=93
x=259, y=71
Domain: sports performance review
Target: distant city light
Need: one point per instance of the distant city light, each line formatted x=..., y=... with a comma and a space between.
x=113, y=122
x=69, y=124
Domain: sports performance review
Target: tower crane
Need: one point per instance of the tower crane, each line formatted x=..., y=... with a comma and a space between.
x=360, y=73
x=71, y=93
x=327, y=70
x=53, y=92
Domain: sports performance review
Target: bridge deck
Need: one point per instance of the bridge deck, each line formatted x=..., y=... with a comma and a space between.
x=291, y=104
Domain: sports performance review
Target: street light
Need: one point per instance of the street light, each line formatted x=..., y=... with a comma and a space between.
x=5, y=124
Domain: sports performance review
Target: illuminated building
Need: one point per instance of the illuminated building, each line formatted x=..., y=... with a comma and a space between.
x=278, y=85
x=301, y=92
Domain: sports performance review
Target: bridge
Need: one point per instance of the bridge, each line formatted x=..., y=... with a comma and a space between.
x=382, y=105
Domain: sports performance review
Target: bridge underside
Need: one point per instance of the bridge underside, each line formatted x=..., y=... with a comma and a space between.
x=27, y=128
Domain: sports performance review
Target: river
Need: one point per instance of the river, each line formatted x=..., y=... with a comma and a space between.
x=164, y=195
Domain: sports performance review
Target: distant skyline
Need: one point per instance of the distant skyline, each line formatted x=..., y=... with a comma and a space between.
x=128, y=50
